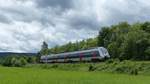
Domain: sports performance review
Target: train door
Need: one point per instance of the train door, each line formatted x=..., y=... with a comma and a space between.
x=94, y=57
x=65, y=59
x=81, y=56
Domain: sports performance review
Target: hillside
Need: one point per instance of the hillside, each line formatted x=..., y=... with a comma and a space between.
x=2, y=54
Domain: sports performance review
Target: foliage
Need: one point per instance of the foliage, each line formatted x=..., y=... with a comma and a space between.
x=32, y=60
x=91, y=68
x=124, y=41
x=44, y=49
x=18, y=61
x=78, y=45
x=14, y=62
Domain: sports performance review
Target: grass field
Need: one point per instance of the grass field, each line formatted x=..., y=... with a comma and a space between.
x=51, y=76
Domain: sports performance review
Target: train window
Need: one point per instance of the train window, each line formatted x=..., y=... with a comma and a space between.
x=73, y=55
x=87, y=54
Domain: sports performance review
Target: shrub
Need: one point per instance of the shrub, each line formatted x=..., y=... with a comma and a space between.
x=17, y=63
x=134, y=72
x=114, y=61
x=14, y=61
x=109, y=61
x=23, y=61
x=54, y=66
x=31, y=59
x=7, y=61
x=91, y=68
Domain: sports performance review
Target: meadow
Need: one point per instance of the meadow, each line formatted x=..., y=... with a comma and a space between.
x=14, y=75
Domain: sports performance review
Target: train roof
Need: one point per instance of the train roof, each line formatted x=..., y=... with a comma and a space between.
x=82, y=51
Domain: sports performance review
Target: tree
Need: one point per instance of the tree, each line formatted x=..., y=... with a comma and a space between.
x=44, y=49
x=146, y=26
x=134, y=45
x=102, y=37
x=113, y=50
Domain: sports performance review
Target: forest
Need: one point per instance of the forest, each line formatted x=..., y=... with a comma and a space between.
x=124, y=41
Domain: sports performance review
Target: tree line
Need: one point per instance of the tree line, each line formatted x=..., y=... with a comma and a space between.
x=124, y=41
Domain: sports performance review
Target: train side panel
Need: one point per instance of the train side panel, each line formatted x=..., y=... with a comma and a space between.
x=86, y=55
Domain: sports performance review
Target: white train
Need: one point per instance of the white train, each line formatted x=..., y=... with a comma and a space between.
x=95, y=54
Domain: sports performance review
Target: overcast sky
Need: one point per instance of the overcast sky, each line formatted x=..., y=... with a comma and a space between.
x=24, y=24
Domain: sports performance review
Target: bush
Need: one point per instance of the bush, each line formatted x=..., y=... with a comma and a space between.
x=14, y=61
x=7, y=61
x=54, y=66
x=32, y=60
x=109, y=61
x=134, y=72
x=17, y=63
x=92, y=68
x=114, y=61
x=23, y=62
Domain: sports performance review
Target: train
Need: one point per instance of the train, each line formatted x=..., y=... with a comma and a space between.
x=89, y=55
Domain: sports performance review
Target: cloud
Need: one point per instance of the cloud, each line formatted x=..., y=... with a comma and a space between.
x=64, y=4
x=4, y=19
x=24, y=24
x=110, y=12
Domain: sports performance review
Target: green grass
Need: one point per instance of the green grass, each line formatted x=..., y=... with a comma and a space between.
x=124, y=67
x=9, y=75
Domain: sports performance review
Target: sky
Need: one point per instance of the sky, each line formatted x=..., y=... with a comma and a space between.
x=25, y=24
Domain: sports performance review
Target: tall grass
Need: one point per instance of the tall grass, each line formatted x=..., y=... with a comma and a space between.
x=9, y=75
x=113, y=66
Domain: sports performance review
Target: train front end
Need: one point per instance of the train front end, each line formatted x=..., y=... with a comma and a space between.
x=103, y=52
